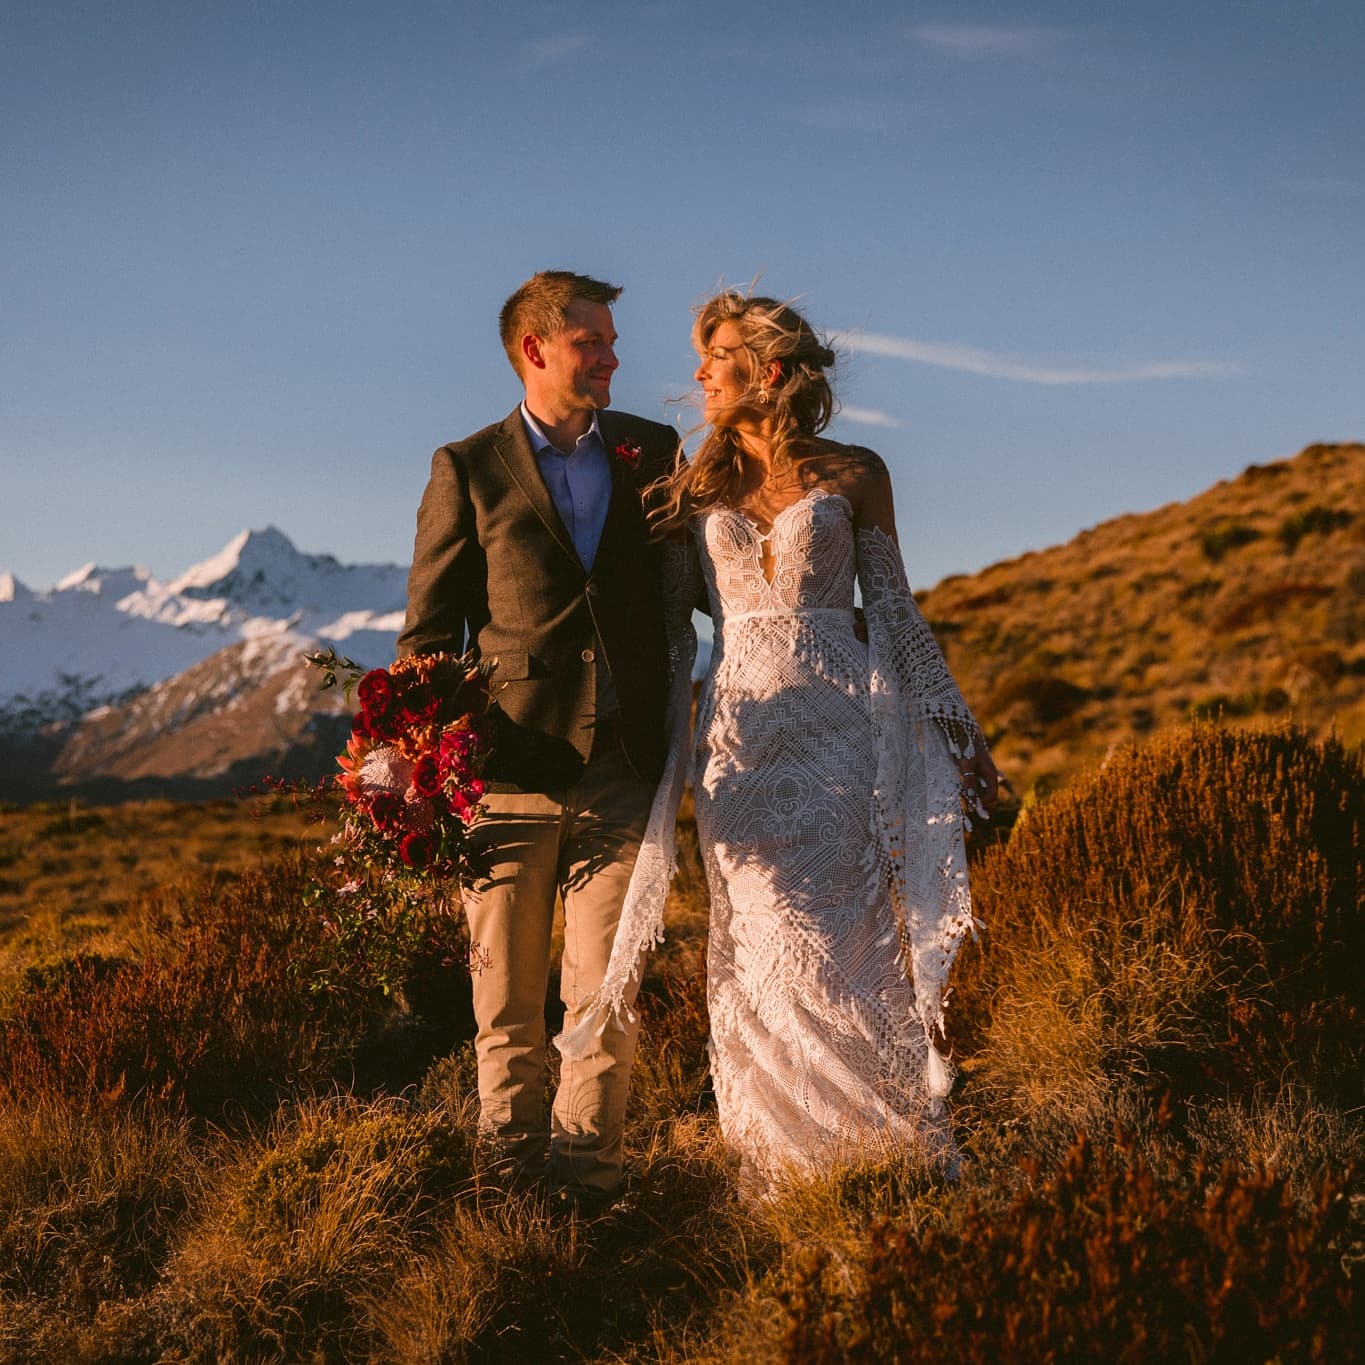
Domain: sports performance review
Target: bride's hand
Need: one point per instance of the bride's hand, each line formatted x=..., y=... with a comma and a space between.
x=980, y=778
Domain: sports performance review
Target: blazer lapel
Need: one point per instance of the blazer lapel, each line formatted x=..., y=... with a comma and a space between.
x=625, y=514
x=513, y=447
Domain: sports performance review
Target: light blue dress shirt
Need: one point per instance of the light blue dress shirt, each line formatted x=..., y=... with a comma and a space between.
x=579, y=484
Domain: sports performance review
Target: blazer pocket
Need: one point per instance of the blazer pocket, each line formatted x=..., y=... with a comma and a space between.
x=517, y=665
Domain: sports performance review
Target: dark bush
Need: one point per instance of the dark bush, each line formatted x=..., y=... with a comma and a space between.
x=1238, y=852
x=1312, y=520
x=1217, y=540
x=1044, y=698
x=220, y=1011
x=1270, y=602
x=1111, y=1256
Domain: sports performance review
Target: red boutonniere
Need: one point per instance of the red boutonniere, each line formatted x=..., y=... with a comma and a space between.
x=629, y=454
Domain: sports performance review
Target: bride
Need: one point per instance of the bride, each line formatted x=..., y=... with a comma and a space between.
x=828, y=771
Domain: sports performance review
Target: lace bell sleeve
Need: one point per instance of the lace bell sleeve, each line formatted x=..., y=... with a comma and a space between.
x=922, y=727
x=641, y=926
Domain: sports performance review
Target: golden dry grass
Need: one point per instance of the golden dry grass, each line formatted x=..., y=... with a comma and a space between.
x=332, y=1219
x=71, y=874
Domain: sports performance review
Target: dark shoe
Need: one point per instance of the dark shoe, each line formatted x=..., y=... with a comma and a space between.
x=566, y=1202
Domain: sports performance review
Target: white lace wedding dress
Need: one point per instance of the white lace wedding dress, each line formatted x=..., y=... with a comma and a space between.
x=829, y=814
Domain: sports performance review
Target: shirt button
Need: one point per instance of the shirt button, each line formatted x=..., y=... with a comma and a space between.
x=588, y=656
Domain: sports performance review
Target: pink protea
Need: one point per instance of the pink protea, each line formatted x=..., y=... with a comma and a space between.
x=385, y=769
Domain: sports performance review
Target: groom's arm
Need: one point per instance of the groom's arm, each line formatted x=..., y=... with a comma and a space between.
x=447, y=563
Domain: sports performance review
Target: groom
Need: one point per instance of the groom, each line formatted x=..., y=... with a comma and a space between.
x=532, y=549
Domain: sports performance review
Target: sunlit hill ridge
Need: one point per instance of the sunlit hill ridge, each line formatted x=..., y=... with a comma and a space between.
x=1247, y=601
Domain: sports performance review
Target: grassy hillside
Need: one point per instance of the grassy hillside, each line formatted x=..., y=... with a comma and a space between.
x=1248, y=601
x=70, y=873
x=203, y=1158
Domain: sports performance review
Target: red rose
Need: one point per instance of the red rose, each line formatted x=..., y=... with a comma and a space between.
x=471, y=698
x=375, y=691
x=419, y=705
x=426, y=775
x=417, y=849
x=386, y=809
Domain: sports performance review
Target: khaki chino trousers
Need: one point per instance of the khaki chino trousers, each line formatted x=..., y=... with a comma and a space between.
x=580, y=844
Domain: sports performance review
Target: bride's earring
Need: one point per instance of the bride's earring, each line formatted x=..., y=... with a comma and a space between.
x=764, y=395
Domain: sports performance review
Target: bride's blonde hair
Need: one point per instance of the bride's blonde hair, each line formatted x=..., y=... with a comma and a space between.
x=800, y=401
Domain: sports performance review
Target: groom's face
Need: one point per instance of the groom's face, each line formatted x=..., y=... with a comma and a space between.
x=578, y=363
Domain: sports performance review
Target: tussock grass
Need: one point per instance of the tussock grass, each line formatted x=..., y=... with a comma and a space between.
x=1190, y=912
x=301, y=1224
x=72, y=877
x=88, y=1195
x=1159, y=1039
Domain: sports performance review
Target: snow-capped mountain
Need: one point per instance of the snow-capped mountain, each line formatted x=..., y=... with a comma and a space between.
x=113, y=682
x=101, y=635
x=112, y=676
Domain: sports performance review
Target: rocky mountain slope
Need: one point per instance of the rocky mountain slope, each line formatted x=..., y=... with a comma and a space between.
x=114, y=684
x=102, y=635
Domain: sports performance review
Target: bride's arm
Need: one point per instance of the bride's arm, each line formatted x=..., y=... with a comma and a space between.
x=891, y=610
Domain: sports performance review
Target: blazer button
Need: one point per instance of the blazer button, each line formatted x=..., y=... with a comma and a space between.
x=588, y=656
x=591, y=589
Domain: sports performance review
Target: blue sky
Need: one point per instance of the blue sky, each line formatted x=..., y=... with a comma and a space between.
x=1083, y=259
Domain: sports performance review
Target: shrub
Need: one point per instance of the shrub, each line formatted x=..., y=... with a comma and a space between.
x=1110, y=1256
x=1190, y=910
x=1217, y=540
x=1312, y=520
x=1199, y=587
x=219, y=1008
x=1269, y=602
x=1043, y=698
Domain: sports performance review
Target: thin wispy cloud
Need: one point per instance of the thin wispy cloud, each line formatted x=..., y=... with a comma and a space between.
x=552, y=49
x=976, y=42
x=868, y=417
x=995, y=365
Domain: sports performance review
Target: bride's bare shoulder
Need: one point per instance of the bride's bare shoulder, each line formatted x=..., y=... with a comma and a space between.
x=854, y=471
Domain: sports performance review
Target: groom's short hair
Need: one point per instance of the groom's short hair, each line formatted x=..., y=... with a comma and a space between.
x=538, y=307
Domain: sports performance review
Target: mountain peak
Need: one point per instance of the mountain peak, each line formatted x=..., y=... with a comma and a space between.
x=12, y=589
x=103, y=582
x=248, y=556
x=264, y=574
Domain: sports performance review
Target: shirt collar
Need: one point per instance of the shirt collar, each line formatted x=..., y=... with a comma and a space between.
x=540, y=442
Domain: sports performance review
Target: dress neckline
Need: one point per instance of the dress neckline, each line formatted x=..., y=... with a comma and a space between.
x=812, y=494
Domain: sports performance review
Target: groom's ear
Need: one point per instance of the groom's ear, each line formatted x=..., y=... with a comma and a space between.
x=531, y=352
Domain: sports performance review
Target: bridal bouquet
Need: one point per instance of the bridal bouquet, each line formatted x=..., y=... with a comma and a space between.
x=412, y=791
